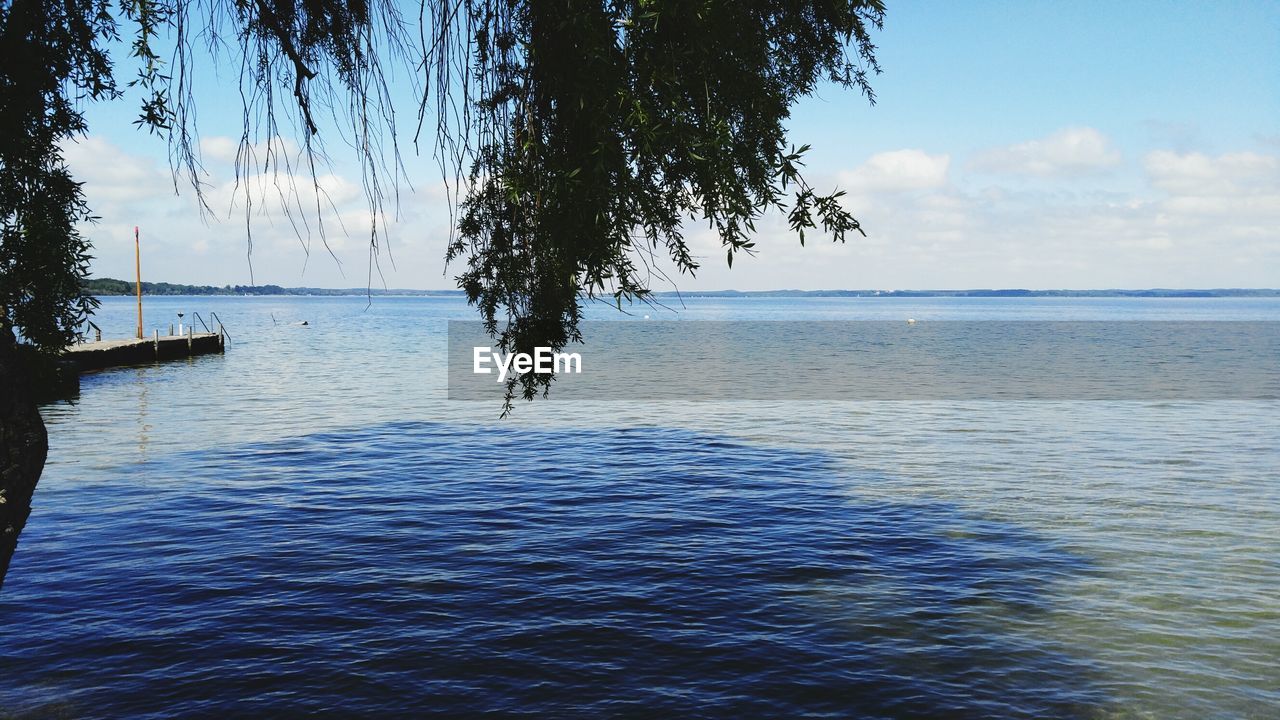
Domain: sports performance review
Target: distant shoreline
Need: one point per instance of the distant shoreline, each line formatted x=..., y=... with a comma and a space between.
x=107, y=287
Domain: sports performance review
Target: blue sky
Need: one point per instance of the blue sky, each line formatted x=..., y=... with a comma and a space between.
x=1028, y=144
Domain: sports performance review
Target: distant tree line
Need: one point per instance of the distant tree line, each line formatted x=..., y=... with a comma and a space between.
x=110, y=286
x=981, y=292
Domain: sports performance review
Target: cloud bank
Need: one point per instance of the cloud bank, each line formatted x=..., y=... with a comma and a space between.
x=1065, y=153
x=1028, y=214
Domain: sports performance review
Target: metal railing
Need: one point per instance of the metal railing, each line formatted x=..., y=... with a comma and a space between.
x=221, y=328
x=216, y=321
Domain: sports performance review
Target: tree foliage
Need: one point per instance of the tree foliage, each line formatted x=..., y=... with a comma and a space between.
x=52, y=62
x=579, y=138
x=607, y=126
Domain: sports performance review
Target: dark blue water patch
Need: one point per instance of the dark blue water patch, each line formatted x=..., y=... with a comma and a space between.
x=413, y=569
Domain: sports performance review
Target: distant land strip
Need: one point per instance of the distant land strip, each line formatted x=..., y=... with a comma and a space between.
x=111, y=286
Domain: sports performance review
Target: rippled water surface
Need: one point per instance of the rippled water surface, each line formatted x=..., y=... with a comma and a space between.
x=305, y=526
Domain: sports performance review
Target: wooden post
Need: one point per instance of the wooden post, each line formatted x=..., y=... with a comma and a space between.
x=155, y=340
x=190, y=336
x=137, y=268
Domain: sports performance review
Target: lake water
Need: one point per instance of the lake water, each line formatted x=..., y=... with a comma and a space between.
x=306, y=525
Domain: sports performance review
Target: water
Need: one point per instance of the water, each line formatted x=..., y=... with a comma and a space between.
x=306, y=526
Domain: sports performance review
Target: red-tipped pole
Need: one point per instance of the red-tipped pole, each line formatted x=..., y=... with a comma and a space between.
x=137, y=267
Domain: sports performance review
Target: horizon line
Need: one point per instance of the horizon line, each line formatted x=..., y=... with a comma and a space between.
x=238, y=289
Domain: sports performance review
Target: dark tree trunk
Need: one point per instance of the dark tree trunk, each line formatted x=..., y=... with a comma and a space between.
x=23, y=447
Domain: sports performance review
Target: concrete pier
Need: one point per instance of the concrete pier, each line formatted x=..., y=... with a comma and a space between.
x=113, y=353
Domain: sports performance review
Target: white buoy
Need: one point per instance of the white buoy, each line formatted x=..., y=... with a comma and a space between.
x=911, y=321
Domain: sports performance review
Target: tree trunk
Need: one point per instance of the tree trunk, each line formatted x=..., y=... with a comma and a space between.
x=24, y=444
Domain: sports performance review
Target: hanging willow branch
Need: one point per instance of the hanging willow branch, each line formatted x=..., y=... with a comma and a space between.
x=578, y=139
x=593, y=133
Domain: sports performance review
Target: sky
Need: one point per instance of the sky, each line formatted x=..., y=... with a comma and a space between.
x=1038, y=145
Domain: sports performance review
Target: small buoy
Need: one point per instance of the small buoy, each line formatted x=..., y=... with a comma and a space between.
x=911, y=321
x=646, y=317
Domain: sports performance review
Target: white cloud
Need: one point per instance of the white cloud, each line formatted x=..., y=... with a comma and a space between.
x=220, y=149
x=115, y=175
x=225, y=150
x=1200, y=175
x=1196, y=221
x=276, y=195
x=182, y=244
x=1268, y=139
x=897, y=171
x=1229, y=203
x=1072, y=151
